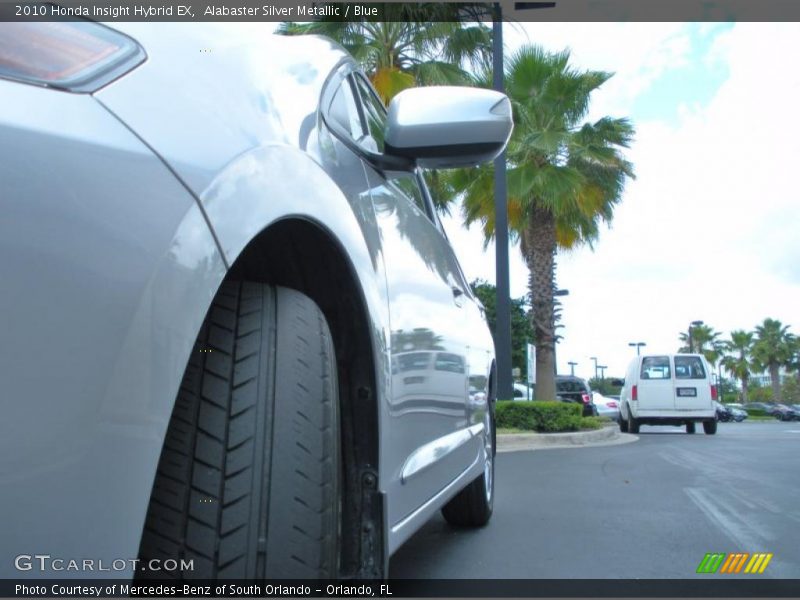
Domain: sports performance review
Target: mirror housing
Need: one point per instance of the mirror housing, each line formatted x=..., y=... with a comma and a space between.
x=445, y=127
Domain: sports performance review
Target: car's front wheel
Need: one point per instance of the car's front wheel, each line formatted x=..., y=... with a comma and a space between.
x=472, y=507
x=248, y=481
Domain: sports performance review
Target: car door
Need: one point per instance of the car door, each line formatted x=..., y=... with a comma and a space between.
x=436, y=342
x=692, y=387
x=655, y=384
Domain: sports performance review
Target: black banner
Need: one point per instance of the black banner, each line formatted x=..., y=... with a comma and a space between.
x=712, y=587
x=421, y=12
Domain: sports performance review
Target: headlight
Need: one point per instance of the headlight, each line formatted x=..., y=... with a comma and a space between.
x=80, y=56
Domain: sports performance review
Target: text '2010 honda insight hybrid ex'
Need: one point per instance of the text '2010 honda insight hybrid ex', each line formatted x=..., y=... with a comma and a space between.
x=234, y=334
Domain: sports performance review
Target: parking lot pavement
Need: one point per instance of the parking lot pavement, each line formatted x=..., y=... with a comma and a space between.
x=649, y=509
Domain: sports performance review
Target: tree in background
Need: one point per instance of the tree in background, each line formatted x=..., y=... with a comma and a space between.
x=565, y=177
x=416, y=44
x=739, y=361
x=773, y=349
x=521, y=331
x=704, y=340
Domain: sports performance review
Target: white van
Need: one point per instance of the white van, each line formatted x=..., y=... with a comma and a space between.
x=668, y=389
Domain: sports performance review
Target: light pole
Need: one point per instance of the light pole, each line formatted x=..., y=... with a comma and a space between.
x=503, y=302
x=594, y=358
x=638, y=345
x=572, y=366
x=602, y=371
x=692, y=325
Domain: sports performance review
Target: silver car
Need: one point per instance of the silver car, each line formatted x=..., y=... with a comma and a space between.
x=235, y=337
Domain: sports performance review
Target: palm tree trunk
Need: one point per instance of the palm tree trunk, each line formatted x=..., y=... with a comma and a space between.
x=776, y=384
x=744, y=389
x=539, y=244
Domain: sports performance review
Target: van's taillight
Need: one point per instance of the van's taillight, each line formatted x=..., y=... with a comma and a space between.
x=634, y=393
x=585, y=398
x=80, y=56
x=713, y=392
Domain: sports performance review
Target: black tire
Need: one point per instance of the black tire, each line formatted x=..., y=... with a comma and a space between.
x=691, y=428
x=623, y=424
x=633, y=423
x=248, y=481
x=710, y=427
x=473, y=506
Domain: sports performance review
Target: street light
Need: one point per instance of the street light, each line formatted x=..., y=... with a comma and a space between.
x=602, y=371
x=594, y=358
x=692, y=325
x=638, y=345
x=572, y=366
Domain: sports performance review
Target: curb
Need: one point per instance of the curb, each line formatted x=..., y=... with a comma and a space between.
x=607, y=436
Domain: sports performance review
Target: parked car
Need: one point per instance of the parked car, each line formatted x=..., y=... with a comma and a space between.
x=574, y=389
x=606, y=406
x=668, y=389
x=784, y=413
x=762, y=406
x=779, y=411
x=724, y=414
x=216, y=265
x=739, y=414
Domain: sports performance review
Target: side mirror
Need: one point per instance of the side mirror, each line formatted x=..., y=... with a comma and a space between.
x=443, y=127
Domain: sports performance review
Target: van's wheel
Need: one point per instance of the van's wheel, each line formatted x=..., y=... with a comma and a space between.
x=690, y=428
x=710, y=427
x=633, y=422
x=248, y=481
x=623, y=424
x=472, y=506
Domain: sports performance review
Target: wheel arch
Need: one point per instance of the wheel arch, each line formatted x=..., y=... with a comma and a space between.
x=301, y=254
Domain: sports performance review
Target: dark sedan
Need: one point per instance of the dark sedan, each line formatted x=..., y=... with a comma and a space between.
x=575, y=389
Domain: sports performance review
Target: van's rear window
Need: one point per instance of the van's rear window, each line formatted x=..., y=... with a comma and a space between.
x=655, y=367
x=689, y=367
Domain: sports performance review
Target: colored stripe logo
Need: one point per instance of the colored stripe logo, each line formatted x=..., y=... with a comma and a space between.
x=734, y=562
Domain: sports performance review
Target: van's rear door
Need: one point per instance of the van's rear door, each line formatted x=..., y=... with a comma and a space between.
x=692, y=384
x=655, y=390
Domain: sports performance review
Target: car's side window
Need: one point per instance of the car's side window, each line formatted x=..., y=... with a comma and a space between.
x=374, y=112
x=411, y=190
x=343, y=110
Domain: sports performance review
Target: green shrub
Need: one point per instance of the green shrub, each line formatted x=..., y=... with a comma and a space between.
x=594, y=422
x=545, y=417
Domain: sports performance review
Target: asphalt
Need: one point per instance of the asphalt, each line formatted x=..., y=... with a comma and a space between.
x=645, y=510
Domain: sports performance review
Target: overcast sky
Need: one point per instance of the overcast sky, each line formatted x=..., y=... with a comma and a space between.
x=710, y=229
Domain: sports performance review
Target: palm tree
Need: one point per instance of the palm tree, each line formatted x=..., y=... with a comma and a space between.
x=704, y=341
x=564, y=178
x=739, y=362
x=772, y=350
x=415, y=44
